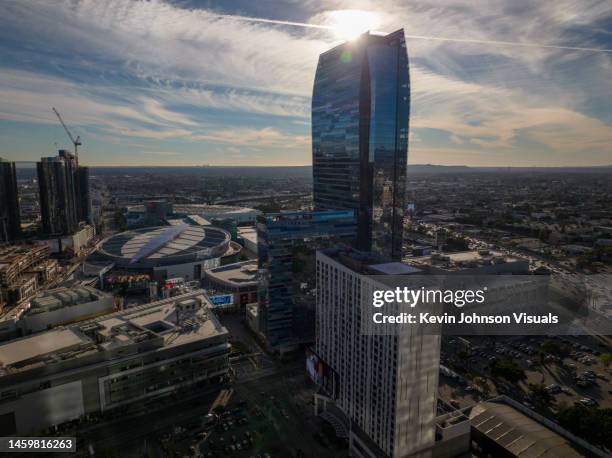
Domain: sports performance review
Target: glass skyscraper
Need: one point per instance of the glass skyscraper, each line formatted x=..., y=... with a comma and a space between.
x=10, y=222
x=64, y=193
x=360, y=113
x=286, y=245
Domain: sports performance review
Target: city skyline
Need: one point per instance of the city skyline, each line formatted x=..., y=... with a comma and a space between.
x=230, y=83
x=306, y=228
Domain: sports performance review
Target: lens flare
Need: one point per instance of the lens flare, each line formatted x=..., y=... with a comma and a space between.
x=348, y=24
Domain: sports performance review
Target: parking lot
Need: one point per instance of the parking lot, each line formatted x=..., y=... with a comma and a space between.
x=577, y=375
x=268, y=417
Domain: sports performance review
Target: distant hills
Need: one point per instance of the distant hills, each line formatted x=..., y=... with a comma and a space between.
x=28, y=168
x=415, y=169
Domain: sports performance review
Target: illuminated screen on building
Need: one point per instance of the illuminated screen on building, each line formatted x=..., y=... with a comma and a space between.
x=220, y=300
x=320, y=373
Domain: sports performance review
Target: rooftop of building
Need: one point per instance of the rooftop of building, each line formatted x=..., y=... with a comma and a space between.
x=39, y=346
x=14, y=313
x=166, y=245
x=93, y=269
x=367, y=263
x=197, y=220
x=170, y=322
x=212, y=209
x=394, y=268
x=13, y=252
x=307, y=216
x=248, y=232
x=24, y=279
x=462, y=259
x=65, y=297
x=44, y=264
x=369, y=37
x=62, y=155
x=190, y=219
x=524, y=433
x=195, y=209
x=237, y=274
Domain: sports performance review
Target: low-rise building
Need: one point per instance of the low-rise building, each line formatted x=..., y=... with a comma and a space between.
x=248, y=236
x=9, y=322
x=253, y=320
x=65, y=305
x=470, y=262
x=76, y=243
x=54, y=308
x=23, y=269
x=46, y=271
x=16, y=259
x=123, y=358
x=23, y=288
x=156, y=212
x=503, y=427
x=167, y=251
x=238, y=279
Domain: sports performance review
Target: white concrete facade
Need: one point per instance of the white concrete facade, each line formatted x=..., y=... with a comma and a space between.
x=387, y=384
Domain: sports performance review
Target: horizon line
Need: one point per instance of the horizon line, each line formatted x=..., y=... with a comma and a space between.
x=310, y=165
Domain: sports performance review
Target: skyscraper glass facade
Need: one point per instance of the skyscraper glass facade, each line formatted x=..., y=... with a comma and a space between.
x=82, y=194
x=286, y=245
x=64, y=193
x=10, y=222
x=360, y=114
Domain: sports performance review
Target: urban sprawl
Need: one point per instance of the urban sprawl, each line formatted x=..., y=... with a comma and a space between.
x=210, y=311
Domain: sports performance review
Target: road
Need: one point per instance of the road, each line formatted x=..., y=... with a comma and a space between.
x=129, y=432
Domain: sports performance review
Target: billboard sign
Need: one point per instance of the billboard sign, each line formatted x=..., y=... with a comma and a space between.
x=322, y=374
x=221, y=300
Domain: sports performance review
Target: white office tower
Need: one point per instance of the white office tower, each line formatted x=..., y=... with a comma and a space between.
x=386, y=385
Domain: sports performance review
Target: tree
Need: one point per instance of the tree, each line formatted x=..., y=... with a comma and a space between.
x=553, y=348
x=219, y=409
x=540, y=395
x=606, y=359
x=508, y=369
x=457, y=243
x=269, y=207
x=481, y=383
x=590, y=423
x=297, y=265
x=586, y=262
x=543, y=234
x=542, y=358
x=120, y=220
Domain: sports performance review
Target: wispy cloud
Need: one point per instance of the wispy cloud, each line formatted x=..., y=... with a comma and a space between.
x=161, y=72
x=159, y=153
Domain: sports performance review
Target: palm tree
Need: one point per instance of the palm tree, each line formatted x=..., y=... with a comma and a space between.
x=481, y=383
x=540, y=395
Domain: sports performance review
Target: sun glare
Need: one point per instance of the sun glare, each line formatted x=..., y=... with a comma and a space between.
x=348, y=24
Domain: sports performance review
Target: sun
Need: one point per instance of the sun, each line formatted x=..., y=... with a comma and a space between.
x=348, y=24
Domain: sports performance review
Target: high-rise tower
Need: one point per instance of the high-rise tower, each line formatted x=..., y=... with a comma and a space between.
x=57, y=177
x=360, y=113
x=10, y=222
x=385, y=386
x=286, y=245
x=83, y=198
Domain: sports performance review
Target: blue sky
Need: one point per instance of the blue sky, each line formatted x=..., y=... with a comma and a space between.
x=190, y=82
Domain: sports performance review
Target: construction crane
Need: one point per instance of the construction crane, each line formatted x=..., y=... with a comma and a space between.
x=76, y=142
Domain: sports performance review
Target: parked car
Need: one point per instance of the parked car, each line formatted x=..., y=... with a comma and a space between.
x=589, y=402
x=553, y=389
